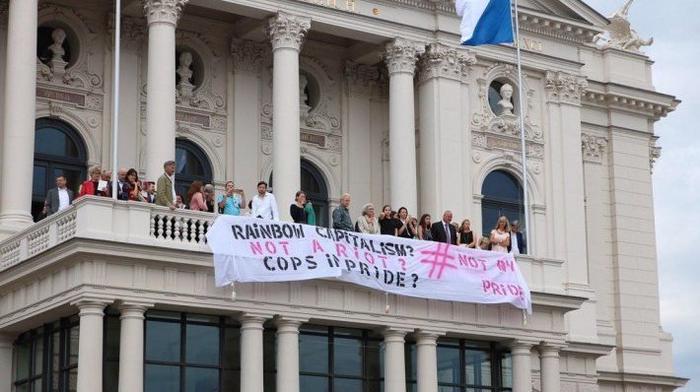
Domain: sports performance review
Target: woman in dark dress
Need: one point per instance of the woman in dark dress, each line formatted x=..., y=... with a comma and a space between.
x=465, y=235
x=423, y=231
x=387, y=224
x=296, y=210
x=406, y=228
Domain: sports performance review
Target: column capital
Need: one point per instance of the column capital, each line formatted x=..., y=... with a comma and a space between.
x=401, y=55
x=287, y=31
x=550, y=350
x=561, y=87
x=253, y=320
x=427, y=337
x=163, y=11
x=91, y=306
x=247, y=55
x=287, y=324
x=442, y=61
x=134, y=309
x=521, y=347
x=593, y=147
x=393, y=334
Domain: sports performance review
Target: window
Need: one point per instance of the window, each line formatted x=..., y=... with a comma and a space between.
x=191, y=164
x=339, y=360
x=466, y=366
x=314, y=184
x=503, y=195
x=58, y=151
x=46, y=359
x=191, y=353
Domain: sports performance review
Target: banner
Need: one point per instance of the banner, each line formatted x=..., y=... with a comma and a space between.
x=248, y=249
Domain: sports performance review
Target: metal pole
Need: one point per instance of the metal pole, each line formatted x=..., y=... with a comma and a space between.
x=521, y=118
x=115, y=99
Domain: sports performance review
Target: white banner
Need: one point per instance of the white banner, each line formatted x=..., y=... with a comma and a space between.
x=248, y=249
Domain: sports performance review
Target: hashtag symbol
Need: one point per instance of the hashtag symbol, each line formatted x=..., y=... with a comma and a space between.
x=439, y=259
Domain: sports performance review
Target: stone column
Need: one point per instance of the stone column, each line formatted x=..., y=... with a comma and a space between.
x=131, y=346
x=426, y=345
x=522, y=369
x=6, y=362
x=252, y=352
x=288, y=354
x=286, y=34
x=90, y=344
x=400, y=57
x=162, y=16
x=394, y=361
x=549, y=368
x=133, y=36
x=19, y=115
x=443, y=179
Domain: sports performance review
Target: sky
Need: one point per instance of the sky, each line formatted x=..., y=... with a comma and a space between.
x=676, y=52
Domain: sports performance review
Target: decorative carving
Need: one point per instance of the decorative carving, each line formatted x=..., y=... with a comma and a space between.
x=287, y=31
x=163, y=11
x=442, y=61
x=247, y=55
x=304, y=109
x=620, y=34
x=206, y=95
x=401, y=56
x=654, y=153
x=563, y=87
x=360, y=78
x=593, y=147
x=133, y=32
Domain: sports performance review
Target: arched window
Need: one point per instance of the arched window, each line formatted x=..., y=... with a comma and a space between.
x=314, y=184
x=58, y=151
x=191, y=164
x=503, y=195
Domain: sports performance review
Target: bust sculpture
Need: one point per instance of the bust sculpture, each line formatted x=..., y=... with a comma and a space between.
x=57, y=64
x=304, y=109
x=184, y=71
x=506, y=103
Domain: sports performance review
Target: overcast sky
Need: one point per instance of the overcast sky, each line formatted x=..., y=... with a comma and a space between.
x=676, y=52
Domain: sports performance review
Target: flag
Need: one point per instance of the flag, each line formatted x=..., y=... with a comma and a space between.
x=485, y=21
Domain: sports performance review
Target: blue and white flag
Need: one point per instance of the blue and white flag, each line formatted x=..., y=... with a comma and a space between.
x=485, y=21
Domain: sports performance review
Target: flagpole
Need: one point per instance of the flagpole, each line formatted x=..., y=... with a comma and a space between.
x=521, y=118
x=115, y=99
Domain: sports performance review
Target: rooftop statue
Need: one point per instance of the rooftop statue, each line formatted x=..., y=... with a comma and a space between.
x=620, y=34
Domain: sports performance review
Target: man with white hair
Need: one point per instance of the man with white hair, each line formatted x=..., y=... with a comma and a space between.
x=341, y=215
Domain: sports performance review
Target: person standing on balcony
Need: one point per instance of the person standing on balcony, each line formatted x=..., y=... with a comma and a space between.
x=58, y=198
x=122, y=183
x=517, y=245
x=208, y=192
x=341, y=214
x=165, y=187
x=443, y=231
x=231, y=202
x=94, y=186
x=367, y=222
x=264, y=204
x=296, y=209
x=500, y=236
x=131, y=189
x=196, y=197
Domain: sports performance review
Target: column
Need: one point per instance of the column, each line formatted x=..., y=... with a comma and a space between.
x=131, y=346
x=444, y=180
x=426, y=345
x=90, y=344
x=252, y=353
x=133, y=35
x=286, y=34
x=19, y=115
x=6, y=362
x=394, y=361
x=400, y=57
x=243, y=137
x=162, y=16
x=549, y=368
x=522, y=369
x=288, y=354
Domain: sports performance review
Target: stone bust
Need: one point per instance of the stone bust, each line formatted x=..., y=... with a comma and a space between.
x=506, y=104
x=58, y=36
x=304, y=109
x=184, y=71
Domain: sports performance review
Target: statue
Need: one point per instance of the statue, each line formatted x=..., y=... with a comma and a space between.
x=506, y=103
x=184, y=71
x=304, y=109
x=57, y=64
x=620, y=34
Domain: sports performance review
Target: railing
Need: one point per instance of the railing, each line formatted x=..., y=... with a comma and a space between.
x=133, y=223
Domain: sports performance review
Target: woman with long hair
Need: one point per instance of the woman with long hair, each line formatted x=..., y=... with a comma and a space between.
x=196, y=197
x=465, y=235
x=423, y=230
x=500, y=236
x=296, y=209
x=132, y=187
x=407, y=227
x=387, y=224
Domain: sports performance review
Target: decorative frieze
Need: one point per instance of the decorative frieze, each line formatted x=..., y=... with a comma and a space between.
x=287, y=31
x=562, y=87
x=360, y=78
x=247, y=55
x=401, y=56
x=593, y=147
x=163, y=11
x=440, y=60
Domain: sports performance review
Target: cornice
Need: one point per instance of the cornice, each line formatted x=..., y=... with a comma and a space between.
x=554, y=27
x=653, y=379
x=639, y=101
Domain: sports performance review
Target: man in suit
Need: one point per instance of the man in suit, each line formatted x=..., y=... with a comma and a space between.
x=443, y=231
x=165, y=187
x=121, y=181
x=58, y=198
x=517, y=240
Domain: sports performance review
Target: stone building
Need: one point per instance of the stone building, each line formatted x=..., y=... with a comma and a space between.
x=370, y=97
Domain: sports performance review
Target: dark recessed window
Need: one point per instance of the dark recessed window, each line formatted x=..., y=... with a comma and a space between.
x=503, y=195
x=191, y=164
x=314, y=184
x=467, y=366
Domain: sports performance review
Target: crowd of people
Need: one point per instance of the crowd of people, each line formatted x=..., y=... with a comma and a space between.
x=504, y=237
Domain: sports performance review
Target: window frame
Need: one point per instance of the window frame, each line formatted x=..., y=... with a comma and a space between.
x=497, y=354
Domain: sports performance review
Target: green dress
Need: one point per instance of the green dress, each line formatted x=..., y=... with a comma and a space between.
x=310, y=214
